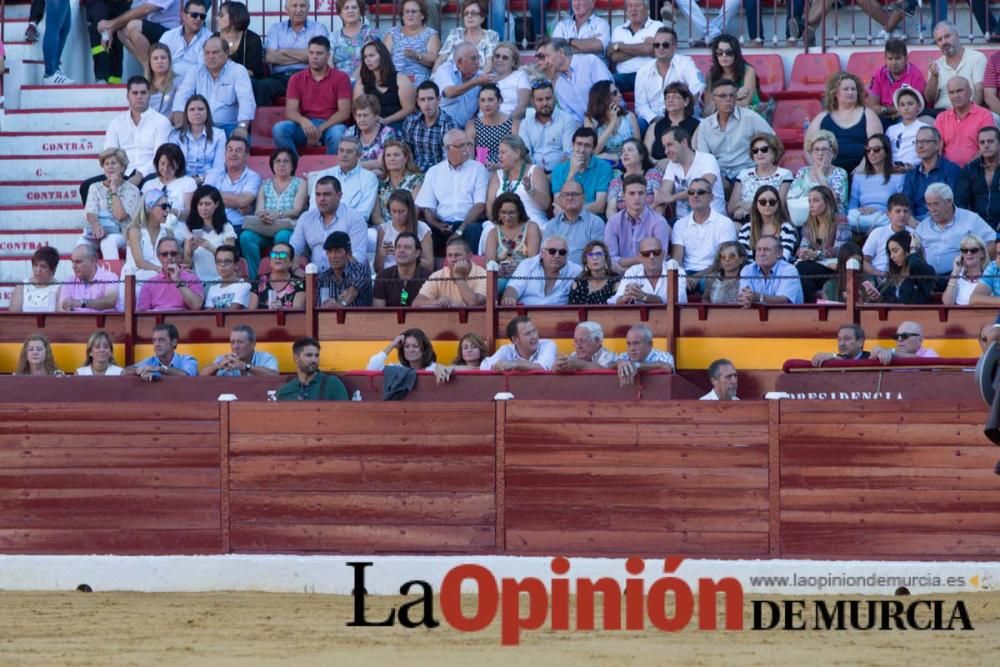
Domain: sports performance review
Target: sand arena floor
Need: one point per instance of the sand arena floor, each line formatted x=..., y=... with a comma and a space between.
x=258, y=628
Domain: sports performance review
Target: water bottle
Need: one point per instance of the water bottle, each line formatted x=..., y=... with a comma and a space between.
x=272, y=395
x=357, y=395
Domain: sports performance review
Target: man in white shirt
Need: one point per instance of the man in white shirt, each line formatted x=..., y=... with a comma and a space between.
x=187, y=40
x=667, y=66
x=585, y=32
x=572, y=75
x=631, y=45
x=684, y=167
x=360, y=186
x=724, y=378
x=589, y=352
x=727, y=132
x=955, y=60
x=549, y=133
x=646, y=282
x=876, y=257
x=696, y=237
x=525, y=352
x=330, y=215
x=545, y=279
x=640, y=355
x=704, y=31
x=453, y=196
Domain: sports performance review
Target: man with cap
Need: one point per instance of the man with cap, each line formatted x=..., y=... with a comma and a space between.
x=347, y=282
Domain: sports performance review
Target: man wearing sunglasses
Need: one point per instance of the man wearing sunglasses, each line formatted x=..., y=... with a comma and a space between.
x=545, y=279
x=174, y=288
x=667, y=67
x=697, y=237
x=187, y=40
x=646, y=282
x=909, y=345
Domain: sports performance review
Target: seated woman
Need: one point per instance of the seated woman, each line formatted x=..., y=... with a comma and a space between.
x=400, y=173
x=280, y=201
x=910, y=279
x=40, y=292
x=402, y=218
x=514, y=237
x=414, y=350
x=231, y=292
x=36, y=357
x=100, y=356
x=396, y=95
x=111, y=203
x=822, y=235
x=489, y=126
x=608, y=114
x=207, y=229
x=413, y=45
x=370, y=131
x=171, y=179
x=144, y=233
x=514, y=83
x=766, y=151
x=769, y=217
x=728, y=63
x=903, y=134
x=678, y=103
x=346, y=43
x=517, y=174
x=821, y=149
x=847, y=118
x=245, y=46
x=966, y=271
x=597, y=282
x=634, y=160
x=472, y=31
x=722, y=281
x=874, y=181
x=835, y=289
x=471, y=352
x=203, y=145
x=160, y=74
x=280, y=289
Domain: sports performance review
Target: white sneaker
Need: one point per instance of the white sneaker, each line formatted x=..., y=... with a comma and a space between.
x=57, y=79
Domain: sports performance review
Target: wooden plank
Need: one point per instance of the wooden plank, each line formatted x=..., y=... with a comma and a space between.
x=774, y=479
x=653, y=457
x=924, y=500
x=680, y=478
x=361, y=538
x=622, y=544
x=832, y=542
x=362, y=507
x=861, y=433
x=840, y=477
x=83, y=411
x=886, y=455
x=122, y=426
x=661, y=412
x=115, y=457
x=626, y=496
x=224, y=481
x=547, y=517
x=500, y=456
x=555, y=434
x=371, y=418
x=110, y=440
x=420, y=444
x=982, y=523
x=110, y=541
x=325, y=473
x=886, y=412
x=121, y=478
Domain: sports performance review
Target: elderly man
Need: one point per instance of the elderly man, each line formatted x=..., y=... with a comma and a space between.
x=634, y=223
x=589, y=352
x=424, y=130
x=549, y=133
x=574, y=223
x=933, y=168
x=330, y=215
x=358, y=185
x=453, y=196
x=347, y=282
x=850, y=346
x=583, y=30
x=769, y=279
x=166, y=360
x=977, y=188
x=459, y=80
x=593, y=173
x=646, y=282
x=724, y=378
x=238, y=183
x=683, y=167
x=144, y=24
x=727, y=132
x=309, y=384
x=225, y=84
x=174, y=288
x=909, y=345
x=187, y=40
x=244, y=359
x=667, y=67
x=460, y=284
x=942, y=230
x=93, y=288
x=572, y=75
x=875, y=256
x=317, y=104
x=631, y=45
x=525, y=352
x=955, y=60
x=640, y=356
x=545, y=279
x=696, y=237
x=959, y=126
x=286, y=49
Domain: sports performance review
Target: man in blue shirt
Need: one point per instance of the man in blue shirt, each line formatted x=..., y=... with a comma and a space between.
x=459, y=84
x=244, y=359
x=933, y=168
x=942, y=231
x=225, y=84
x=592, y=173
x=187, y=40
x=165, y=360
x=769, y=279
x=237, y=183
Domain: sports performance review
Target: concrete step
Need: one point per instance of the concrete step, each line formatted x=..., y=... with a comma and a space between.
x=29, y=218
x=13, y=29
x=60, y=120
x=19, y=244
x=51, y=143
x=16, y=12
x=84, y=96
x=33, y=193
x=18, y=51
x=48, y=168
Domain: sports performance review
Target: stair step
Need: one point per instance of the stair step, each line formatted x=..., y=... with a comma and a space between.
x=34, y=193
x=51, y=143
x=48, y=168
x=83, y=95
x=27, y=218
x=56, y=120
x=20, y=244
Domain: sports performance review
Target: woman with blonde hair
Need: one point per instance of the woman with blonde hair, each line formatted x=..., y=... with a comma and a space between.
x=517, y=174
x=111, y=203
x=36, y=357
x=766, y=151
x=470, y=354
x=513, y=82
x=966, y=271
x=847, y=118
x=159, y=70
x=100, y=356
x=400, y=173
x=824, y=232
x=821, y=149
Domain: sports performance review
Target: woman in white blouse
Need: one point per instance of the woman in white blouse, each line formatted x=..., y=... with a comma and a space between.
x=100, y=356
x=514, y=83
x=40, y=292
x=172, y=179
x=414, y=350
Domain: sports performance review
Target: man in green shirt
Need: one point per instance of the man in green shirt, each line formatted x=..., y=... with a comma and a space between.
x=309, y=384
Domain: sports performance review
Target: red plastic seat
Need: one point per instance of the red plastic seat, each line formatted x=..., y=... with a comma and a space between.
x=865, y=65
x=260, y=164
x=794, y=160
x=791, y=118
x=310, y=163
x=261, y=139
x=923, y=58
x=809, y=75
x=770, y=72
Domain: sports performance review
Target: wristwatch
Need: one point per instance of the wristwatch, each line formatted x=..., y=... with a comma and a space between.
x=181, y=283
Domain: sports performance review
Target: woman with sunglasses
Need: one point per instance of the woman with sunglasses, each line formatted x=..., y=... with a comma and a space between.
x=514, y=83
x=472, y=31
x=766, y=151
x=634, y=160
x=769, y=217
x=910, y=279
x=144, y=233
x=279, y=289
x=414, y=350
x=874, y=181
x=597, y=282
x=609, y=116
x=722, y=278
x=966, y=271
x=678, y=104
x=728, y=63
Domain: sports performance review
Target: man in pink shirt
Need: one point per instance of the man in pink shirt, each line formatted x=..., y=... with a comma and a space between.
x=174, y=288
x=909, y=345
x=896, y=72
x=94, y=289
x=959, y=126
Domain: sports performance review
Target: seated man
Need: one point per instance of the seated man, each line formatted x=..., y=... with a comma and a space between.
x=696, y=237
x=549, y=133
x=174, y=288
x=667, y=67
x=575, y=224
x=646, y=282
x=424, y=129
x=987, y=291
x=633, y=223
x=941, y=232
x=960, y=125
x=727, y=132
x=187, y=40
x=955, y=60
x=909, y=345
x=722, y=374
x=358, y=186
x=545, y=279
x=286, y=49
x=525, y=352
x=225, y=84
x=231, y=292
x=594, y=174
x=244, y=358
x=237, y=183
x=93, y=288
x=769, y=278
x=399, y=285
x=893, y=75
x=309, y=384
x=631, y=45
x=460, y=284
x=347, y=282
x=933, y=168
x=876, y=257
x=584, y=31
x=685, y=165
x=572, y=75
x=589, y=352
x=459, y=80
x=850, y=346
x=330, y=215
x=975, y=192
x=641, y=356
x=166, y=360
x=142, y=25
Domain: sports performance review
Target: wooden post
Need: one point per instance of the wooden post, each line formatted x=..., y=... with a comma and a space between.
x=491, y=310
x=311, y=325
x=500, y=476
x=852, y=291
x=129, y=319
x=673, y=314
x=774, y=478
x=224, y=474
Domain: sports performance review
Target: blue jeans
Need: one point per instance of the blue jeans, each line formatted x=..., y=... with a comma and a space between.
x=57, y=25
x=289, y=135
x=251, y=244
x=625, y=82
x=755, y=20
x=498, y=10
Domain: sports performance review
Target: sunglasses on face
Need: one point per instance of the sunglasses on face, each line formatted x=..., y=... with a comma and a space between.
x=906, y=336
x=725, y=52
x=172, y=253
x=595, y=254
x=279, y=255
x=970, y=251
x=198, y=16
x=501, y=56
x=662, y=45
x=697, y=193
x=874, y=149
x=165, y=206
x=760, y=150
x=649, y=254
x=767, y=202
x=562, y=252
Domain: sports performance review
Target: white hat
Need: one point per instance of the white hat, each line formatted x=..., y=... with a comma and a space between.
x=910, y=89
